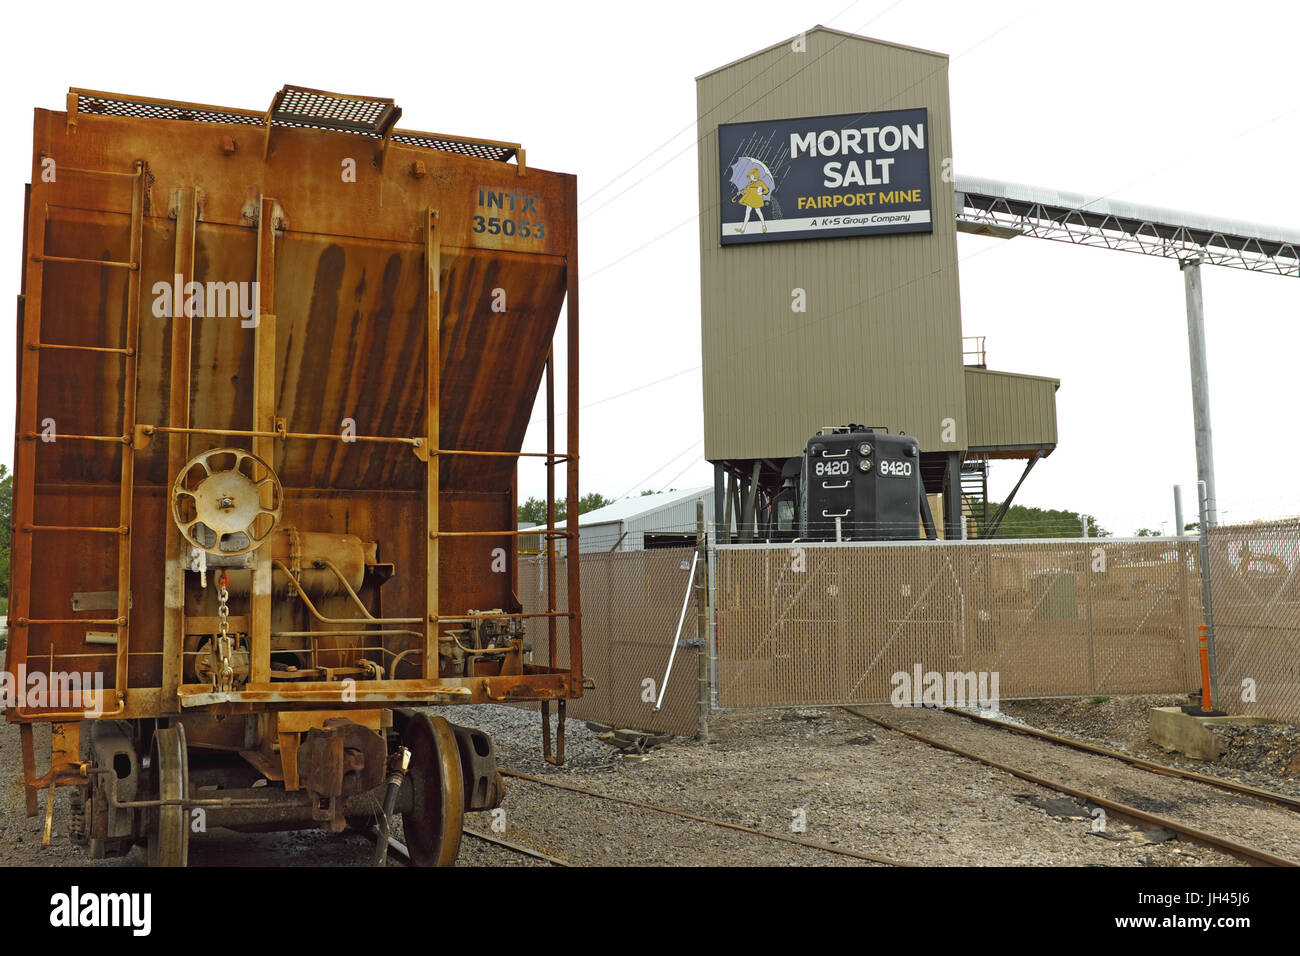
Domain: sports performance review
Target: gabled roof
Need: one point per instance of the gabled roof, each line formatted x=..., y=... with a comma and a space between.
x=820, y=29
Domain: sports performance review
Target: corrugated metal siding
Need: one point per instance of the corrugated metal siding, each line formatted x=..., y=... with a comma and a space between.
x=880, y=342
x=1004, y=408
x=677, y=517
x=598, y=539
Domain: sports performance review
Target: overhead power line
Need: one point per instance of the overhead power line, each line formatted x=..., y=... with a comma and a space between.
x=718, y=105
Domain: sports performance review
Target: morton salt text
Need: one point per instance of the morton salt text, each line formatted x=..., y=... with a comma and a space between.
x=850, y=142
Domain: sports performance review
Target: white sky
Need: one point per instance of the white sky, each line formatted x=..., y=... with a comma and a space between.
x=1183, y=104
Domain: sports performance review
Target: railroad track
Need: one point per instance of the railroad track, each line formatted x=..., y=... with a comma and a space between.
x=1187, y=831
x=781, y=837
x=1258, y=793
x=397, y=849
x=519, y=848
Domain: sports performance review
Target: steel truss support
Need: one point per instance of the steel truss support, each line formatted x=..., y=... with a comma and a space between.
x=1005, y=210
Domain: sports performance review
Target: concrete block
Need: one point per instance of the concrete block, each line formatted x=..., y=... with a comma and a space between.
x=1189, y=734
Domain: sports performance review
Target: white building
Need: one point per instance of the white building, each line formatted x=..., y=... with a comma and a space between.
x=631, y=524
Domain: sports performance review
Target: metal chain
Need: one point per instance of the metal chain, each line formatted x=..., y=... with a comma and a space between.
x=224, y=678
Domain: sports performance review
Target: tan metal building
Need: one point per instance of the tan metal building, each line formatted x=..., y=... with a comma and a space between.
x=826, y=319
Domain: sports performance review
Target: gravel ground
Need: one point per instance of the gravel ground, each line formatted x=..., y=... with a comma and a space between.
x=858, y=786
x=1261, y=755
x=854, y=785
x=1215, y=811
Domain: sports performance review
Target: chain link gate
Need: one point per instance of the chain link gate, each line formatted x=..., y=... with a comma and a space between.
x=820, y=624
x=1255, y=580
x=631, y=605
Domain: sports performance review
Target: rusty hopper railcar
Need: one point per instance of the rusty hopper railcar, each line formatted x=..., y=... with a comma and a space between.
x=274, y=374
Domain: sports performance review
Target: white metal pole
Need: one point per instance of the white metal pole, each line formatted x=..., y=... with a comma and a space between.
x=1200, y=389
x=690, y=585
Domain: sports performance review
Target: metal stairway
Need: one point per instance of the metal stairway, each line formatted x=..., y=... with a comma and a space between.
x=975, y=492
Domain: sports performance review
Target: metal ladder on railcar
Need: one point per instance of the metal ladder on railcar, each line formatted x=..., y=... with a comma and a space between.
x=28, y=437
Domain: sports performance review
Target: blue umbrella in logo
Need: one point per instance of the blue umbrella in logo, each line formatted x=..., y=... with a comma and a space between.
x=740, y=174
x=754, y=185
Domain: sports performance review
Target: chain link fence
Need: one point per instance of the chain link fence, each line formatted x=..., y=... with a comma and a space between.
x=631, y=603
x=814, y=624
x=820, y=624
x=1255, y=598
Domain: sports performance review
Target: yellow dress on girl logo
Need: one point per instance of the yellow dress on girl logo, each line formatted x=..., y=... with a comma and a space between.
x=753, y=197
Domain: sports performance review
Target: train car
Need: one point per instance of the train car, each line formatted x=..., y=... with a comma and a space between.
x=861, y=484
x=275, y=370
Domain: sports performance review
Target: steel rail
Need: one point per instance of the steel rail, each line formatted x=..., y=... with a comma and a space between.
x=1270, y=796
x=399, y=848
x=519, y=848
x=811, y=844
x=1194, y=834
x=395, y=846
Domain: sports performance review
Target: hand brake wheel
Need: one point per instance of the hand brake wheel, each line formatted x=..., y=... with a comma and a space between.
x=222, y=512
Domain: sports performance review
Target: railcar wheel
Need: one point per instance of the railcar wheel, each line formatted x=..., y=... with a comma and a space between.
x=167, y=831
x=433, y=825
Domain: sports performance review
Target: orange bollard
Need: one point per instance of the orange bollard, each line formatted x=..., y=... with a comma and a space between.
x=1205, y=668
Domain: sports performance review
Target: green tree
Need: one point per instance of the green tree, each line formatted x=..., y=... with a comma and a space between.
x=533, y=511
x=1021, y=521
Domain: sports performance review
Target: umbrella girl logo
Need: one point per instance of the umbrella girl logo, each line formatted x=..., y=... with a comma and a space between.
x=754, y=185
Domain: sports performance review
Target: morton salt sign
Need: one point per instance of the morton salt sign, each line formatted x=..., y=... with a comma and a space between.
x=853, y=175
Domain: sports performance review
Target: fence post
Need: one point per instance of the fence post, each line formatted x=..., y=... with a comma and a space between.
x=702, y=622
x=1087, y=603
x=711, y=624
x=1207, y=606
